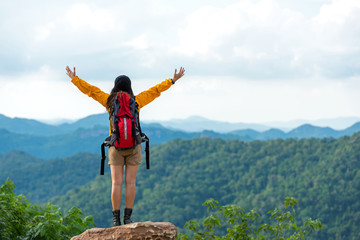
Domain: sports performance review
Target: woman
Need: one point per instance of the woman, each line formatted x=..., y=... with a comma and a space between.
x=120, y=158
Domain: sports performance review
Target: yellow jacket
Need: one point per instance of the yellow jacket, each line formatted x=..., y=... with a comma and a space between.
x=142, y=98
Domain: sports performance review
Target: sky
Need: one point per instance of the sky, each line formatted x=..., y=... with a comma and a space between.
x=250, y=61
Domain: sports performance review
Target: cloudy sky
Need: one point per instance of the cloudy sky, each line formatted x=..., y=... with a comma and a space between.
x=246, y=61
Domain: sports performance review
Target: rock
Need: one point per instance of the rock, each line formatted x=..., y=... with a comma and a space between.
x=139, y=230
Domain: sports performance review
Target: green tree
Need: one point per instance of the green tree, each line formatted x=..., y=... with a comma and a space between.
x=19, y=219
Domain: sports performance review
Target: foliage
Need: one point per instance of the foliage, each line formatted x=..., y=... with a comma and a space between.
x=41, y=180
x=323, y=174
x=19, y=219
x=243, y=225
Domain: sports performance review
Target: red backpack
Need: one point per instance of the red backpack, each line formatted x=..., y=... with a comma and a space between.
x=125, y=124
x=126, y=131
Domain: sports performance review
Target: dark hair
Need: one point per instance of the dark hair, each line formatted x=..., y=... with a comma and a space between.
x=121, y=84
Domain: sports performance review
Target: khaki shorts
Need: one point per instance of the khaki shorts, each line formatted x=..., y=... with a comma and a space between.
x=125, y=157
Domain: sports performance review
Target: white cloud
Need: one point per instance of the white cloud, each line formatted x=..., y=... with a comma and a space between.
x=44, y=31
x=139, y=43
x=267, y=38
x=241, y=100
x=246, y=23
x=44, y=95
x=285, y=53
x=285, y=42
x=82, y=15
x=337, y=12
x=337, y=27
x=205, y=28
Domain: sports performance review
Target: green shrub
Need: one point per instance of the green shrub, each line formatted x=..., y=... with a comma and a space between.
x=244, y=225
x=19, y=219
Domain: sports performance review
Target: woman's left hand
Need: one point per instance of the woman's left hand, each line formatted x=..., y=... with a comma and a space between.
x=178, y=75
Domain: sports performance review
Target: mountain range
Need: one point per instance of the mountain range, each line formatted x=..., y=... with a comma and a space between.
x=190, y=124
x=198, y=124
x=86, y=135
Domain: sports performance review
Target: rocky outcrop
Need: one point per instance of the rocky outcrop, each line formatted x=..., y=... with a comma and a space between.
x=140, y=230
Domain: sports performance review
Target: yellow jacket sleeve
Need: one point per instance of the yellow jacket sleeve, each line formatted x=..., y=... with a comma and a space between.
x=142, y=99
x=149, y=95
x=91, y=90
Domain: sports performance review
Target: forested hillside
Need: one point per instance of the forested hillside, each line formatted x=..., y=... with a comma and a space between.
x=324, y=175
x=40, y=180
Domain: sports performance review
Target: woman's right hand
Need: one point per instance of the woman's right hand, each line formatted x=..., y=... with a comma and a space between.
x=70, y=73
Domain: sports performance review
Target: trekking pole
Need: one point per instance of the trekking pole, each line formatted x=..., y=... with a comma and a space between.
x=103, y=157
x=147, y=151
x=147, y=155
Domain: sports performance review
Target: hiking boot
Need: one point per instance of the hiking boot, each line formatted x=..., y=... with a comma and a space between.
x=116, y=218
x=127, y=216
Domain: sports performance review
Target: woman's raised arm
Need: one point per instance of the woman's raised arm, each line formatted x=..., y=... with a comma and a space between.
x=149, y=95
x=92, y=91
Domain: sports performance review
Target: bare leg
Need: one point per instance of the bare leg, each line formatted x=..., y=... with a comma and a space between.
x=130, y=181
x=117, y=180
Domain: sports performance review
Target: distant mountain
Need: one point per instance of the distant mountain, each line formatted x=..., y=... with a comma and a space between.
x=307, y=130
x=48, y=147
x=303, y=131
x=190, y=125
x=255, y=135
x=37, y=128
x=350, y=130
x=86, y=135
x=87, y=122
x=28, y=126
x=199, y=124
x=334, y=123
x=88, y=140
